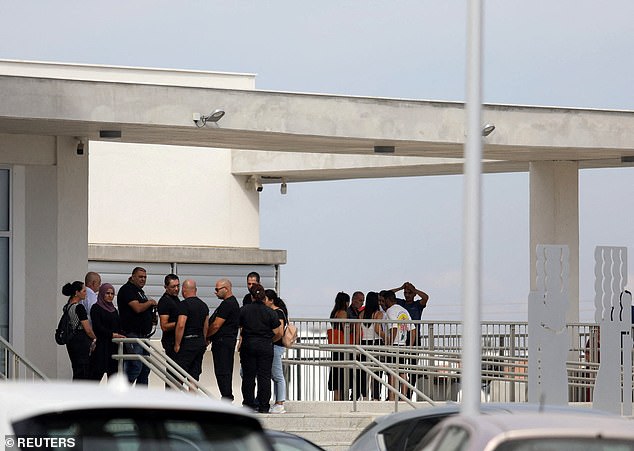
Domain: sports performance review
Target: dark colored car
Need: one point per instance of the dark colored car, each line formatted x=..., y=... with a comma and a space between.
x=285, y=441
x=402, y=431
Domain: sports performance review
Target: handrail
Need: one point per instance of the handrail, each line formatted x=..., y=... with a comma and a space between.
x=382, y=366
x=9, y=354
x=160, y=364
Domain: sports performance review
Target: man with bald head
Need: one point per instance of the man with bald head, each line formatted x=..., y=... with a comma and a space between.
x=92, y=281
x=223, y=335
x=191, y=330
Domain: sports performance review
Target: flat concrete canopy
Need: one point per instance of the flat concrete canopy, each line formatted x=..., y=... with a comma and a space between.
x=149, y=112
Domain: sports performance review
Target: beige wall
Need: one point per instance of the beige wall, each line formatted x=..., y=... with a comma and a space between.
x=162, y=195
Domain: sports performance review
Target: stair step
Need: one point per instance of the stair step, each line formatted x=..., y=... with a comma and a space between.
x=299, y=421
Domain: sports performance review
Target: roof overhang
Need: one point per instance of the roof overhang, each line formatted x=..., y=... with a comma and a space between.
x=312, y=123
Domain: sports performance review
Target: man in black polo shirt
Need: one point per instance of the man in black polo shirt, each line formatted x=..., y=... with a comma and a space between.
x=252, y=278
x=223, y=334
x=168, y=310
x=136, y=313
x=191, y=330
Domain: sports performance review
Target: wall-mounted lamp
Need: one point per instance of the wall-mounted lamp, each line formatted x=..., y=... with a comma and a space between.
x=283, y=187
x=254, y=182
x=487, y=129
x=201, y=120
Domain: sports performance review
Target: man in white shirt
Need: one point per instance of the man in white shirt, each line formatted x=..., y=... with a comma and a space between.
x=398, y=334
x=92, y=281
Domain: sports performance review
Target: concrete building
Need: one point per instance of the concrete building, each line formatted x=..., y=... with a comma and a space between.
x=86, y=179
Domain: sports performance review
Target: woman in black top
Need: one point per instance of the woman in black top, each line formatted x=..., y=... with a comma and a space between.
x=106, y=325
x=80, y=344
x=336, y=376
x=260, y=327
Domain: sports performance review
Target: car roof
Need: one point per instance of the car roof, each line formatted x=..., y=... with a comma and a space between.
x=27, y=399
x=488, y=408
x=496, y=428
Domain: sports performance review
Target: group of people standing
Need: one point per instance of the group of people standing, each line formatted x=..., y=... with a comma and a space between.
x=256, y=328
x=95, y=322
x=383, y=305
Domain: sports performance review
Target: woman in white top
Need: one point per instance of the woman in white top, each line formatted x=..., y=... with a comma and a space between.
x=372, y=334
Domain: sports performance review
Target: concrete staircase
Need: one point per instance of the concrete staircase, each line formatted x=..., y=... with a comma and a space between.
x=331, y=425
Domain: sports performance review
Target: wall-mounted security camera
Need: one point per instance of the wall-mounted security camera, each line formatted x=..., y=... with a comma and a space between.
x=80, y=148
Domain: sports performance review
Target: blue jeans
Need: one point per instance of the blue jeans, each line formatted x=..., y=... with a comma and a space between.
x=277, y=374
x=135, y=369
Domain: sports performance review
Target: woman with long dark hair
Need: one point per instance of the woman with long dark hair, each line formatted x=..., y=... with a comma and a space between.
x=277, y=373
x=106, y=325
x=336, y=376
x=372, y=334
x=259, y=329
x=84, y=338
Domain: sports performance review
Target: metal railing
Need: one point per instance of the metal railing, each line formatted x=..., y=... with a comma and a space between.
x=16, y=367
x=431, y=367
x=160, y=364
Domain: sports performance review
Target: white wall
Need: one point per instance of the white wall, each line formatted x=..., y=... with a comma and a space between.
x=163, y=195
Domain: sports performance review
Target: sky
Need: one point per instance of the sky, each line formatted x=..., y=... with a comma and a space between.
x=376, y=234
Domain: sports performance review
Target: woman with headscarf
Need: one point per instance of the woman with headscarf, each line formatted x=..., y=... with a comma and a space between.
x=79, y=345
x=105, y=323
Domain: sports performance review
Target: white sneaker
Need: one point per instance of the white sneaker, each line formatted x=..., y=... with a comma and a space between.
x=277, y=408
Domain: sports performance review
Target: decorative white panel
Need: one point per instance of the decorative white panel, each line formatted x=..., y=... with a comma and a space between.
x=614, y=315
x=547, y=337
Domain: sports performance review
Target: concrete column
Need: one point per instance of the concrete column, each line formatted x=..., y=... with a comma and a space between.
x=554, y=218
x=72, y=226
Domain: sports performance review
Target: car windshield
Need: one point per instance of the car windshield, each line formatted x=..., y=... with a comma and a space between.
x=142, y=429
x=566, y=444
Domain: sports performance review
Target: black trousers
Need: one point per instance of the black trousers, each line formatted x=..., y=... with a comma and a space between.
x=222, y=351
x=190, y=355
x=79, y=353
x=256, y=358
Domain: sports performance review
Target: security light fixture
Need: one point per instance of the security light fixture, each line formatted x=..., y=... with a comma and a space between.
x=201, y=120
x=487, y=129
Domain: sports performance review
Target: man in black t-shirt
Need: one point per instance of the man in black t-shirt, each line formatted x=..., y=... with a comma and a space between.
x=191, y=330
x=223, y=334
x=136, y=313
x=252, y=278
x=168, y=310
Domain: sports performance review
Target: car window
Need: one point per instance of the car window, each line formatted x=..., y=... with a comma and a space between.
x=420, y=430
x=455, y=438
x=142, y=429
x=292, y=444
x=394, y=436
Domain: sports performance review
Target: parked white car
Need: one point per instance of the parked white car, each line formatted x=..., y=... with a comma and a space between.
x=117, y=416
x=530, y=432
